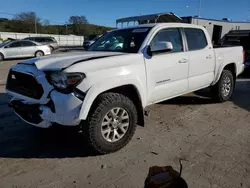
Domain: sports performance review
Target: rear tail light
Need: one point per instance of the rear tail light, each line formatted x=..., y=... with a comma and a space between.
x=244, y=55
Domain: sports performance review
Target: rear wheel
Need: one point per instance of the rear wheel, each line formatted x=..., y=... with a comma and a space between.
x=111, y=123
x=223, y=90
x=39, y=54
x=1, y=57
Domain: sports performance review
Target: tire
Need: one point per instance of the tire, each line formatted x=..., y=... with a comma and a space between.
x=1, y=57
x=39, y=53
x=93, y=127
x=222, y=92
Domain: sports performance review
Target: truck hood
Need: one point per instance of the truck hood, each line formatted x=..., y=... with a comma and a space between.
x=64, y=60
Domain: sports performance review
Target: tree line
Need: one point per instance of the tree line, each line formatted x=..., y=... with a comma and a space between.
x=29, y=22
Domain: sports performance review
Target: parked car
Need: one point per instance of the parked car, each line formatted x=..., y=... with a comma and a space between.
x=50, y=41
x=105, y=91
x=22, y=48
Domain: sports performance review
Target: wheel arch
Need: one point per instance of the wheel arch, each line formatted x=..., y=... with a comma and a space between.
x=131, y=90
x=2, y=55
x=231, y=67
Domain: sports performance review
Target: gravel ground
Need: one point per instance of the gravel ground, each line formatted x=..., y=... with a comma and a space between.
x=213, y=139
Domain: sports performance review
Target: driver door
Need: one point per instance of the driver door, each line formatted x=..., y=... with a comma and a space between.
x=167, y=72
x=13, y=50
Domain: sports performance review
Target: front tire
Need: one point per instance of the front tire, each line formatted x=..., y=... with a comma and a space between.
x=223, y=89
x=111, y=123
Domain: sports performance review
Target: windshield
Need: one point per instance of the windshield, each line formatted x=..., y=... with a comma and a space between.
x=4, y=43
x=126, y=40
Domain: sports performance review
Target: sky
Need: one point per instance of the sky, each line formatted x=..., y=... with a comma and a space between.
x=105, y=12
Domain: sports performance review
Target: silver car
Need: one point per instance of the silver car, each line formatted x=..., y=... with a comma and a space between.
x=50, y=41
x=23, y=48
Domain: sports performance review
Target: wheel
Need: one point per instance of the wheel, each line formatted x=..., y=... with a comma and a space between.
x=111, y=124
x=223, y=90
x=39, y=54
x=1, y=57
x=118, y=48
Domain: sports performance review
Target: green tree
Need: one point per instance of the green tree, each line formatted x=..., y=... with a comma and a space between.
x=77, y=23
x=30, y=20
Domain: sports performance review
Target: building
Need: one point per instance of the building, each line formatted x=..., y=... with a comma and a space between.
x=217, y=29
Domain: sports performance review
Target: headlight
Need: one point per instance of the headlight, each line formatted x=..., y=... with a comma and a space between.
x=65, y=82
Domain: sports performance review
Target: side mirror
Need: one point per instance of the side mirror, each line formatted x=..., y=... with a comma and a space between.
x=161, y=47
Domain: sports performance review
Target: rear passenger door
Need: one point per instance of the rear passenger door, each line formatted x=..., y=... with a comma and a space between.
x=201, y=58
x=28, y=48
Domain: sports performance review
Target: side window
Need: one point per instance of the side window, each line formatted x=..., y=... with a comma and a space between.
x=172, y=35
x=48, y=40
x=196, y=39
x=14, y=45
x=40, y=40
x=27, y=43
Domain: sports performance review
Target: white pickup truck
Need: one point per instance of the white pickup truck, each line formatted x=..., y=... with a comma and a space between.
x=106, y=90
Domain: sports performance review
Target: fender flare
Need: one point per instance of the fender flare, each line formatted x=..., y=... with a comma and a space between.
x=106, y=85
x=221, y=68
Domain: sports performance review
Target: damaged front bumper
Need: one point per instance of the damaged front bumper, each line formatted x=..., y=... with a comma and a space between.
x=62, y=109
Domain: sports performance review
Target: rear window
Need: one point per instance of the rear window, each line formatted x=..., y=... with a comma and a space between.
x=196, y=39
x=44, y=39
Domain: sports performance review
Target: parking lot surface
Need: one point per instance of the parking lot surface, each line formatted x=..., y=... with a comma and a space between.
x=213, y=139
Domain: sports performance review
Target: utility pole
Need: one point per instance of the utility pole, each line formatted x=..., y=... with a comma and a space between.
x=199, y=10
x=66, y=28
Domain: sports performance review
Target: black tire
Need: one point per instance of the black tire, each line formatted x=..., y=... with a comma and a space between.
x=39, y=53
x=217, y=89
x=92, y=127
x=1, y=57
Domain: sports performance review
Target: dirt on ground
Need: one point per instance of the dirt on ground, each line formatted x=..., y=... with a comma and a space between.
x=213, y=139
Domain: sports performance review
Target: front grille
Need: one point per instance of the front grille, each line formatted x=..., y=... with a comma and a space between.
x=24, y=84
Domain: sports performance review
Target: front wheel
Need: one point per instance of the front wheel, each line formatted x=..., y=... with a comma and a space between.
x=111, y=123
x=223, y=90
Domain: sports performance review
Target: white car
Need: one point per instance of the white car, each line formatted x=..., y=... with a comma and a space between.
x=23, y=48
x=106, y=92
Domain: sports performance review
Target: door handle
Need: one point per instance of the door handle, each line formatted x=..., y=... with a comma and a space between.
x=183, y=61
x=209, y=57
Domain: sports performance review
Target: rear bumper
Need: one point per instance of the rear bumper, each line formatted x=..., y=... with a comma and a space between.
x=47, y=53
x=63, y=109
